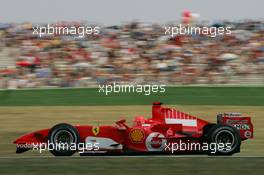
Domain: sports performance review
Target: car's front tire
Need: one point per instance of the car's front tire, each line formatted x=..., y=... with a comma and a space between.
x=62, y=138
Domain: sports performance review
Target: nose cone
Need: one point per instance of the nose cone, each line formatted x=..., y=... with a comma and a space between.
x=34, y=137
x=25, y=139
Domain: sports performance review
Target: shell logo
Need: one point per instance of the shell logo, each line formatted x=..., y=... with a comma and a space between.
x=137, y=135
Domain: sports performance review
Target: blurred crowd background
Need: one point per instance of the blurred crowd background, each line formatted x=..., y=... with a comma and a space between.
x=134, y=53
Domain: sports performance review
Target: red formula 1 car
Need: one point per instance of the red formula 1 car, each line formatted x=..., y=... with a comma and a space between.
x=168, y=131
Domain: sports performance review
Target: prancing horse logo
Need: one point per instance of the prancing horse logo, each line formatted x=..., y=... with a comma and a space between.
x=96, y=130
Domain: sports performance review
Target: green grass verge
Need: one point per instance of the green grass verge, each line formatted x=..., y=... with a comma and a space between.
x=249, y=96
x=133, y=165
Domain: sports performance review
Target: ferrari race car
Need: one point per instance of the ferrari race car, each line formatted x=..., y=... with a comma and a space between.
x=168, y=131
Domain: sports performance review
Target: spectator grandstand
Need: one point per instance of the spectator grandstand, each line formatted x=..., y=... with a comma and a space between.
x=132, y=53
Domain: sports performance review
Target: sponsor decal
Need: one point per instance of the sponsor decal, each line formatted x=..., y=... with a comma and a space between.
x=155, y=142
x=184, y=122
x=230, y=121
x=96, y=130
x=177, y=117
x=248, y=134
x=137, y=135
x=242, y=126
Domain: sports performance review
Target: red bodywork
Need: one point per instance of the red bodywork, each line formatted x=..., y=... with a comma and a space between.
x=166, y=126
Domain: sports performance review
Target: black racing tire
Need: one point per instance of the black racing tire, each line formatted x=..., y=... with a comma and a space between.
x=224, y=134
x=63, y=134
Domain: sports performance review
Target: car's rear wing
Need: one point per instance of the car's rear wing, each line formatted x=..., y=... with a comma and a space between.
x=242, y=123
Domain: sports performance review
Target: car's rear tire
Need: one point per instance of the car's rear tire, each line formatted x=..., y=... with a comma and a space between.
x=62, y=137
x=224, y=134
